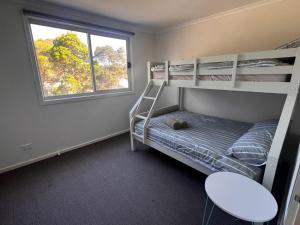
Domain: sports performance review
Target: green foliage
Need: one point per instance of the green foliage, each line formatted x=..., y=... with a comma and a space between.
x=69, y=49
x=111, y=67
x=65, y=65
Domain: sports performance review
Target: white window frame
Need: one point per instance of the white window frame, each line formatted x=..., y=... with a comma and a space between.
x=45, y=100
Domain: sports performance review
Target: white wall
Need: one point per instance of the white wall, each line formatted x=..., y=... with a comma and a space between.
x=54, y=127
x=253, y=29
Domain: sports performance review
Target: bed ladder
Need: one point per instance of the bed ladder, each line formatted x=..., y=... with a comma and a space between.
x=136, y=114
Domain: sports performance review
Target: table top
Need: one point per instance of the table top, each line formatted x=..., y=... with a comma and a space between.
x=241, y=197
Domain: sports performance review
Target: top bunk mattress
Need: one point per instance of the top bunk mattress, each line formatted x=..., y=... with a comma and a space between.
x=158, y=71
x=205, y=141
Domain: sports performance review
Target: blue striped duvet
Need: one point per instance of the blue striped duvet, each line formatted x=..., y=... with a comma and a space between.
x=205, y=141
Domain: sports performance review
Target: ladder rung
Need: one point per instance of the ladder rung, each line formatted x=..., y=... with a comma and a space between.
x=148, y=97
x=137, y=135
x=140, y=117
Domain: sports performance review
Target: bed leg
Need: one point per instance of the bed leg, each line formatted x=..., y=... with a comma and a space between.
x=132, y=142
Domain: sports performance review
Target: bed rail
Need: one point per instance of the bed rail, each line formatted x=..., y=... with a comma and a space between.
x=271, y=54
x=235, y=74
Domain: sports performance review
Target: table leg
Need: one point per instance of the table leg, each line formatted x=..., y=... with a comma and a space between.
x=210, y=213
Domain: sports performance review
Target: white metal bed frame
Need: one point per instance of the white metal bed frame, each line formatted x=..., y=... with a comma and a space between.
x=290, y=89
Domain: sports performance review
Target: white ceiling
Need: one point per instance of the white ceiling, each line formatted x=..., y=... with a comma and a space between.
x=155, y=14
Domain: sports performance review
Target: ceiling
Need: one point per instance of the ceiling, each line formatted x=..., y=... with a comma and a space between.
x=155, y=14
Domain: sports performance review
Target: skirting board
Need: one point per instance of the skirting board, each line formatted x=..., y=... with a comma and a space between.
x=61, y=151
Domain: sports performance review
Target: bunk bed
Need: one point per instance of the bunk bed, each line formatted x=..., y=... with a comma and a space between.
x=206, y=143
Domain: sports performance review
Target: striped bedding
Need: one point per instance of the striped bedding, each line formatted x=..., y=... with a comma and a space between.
x=220, y=65
x=258, y=78
x=205, y=141
x=158, y=71
x=254, y=146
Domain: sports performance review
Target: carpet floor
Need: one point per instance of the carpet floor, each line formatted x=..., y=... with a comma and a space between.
x=106, y=184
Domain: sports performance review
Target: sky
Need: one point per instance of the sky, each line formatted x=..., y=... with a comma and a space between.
x=44, y=32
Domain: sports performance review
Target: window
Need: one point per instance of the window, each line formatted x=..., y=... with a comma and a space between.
x=110, y=62
x=75, y=61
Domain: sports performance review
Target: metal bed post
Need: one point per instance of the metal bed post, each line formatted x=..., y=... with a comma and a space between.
x=234, y=69
x=180, y=98
x=149, y=71
x=195, y=71
x=167, y=72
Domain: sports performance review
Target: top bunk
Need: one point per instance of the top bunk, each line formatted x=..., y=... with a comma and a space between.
x=274, y=71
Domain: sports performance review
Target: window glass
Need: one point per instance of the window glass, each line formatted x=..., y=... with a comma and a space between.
x=63, y=60
x=110, y=62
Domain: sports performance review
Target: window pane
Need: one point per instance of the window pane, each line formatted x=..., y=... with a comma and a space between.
x=63, y=59
x=110, y=62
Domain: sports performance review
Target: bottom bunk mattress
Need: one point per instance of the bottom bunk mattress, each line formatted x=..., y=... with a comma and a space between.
x=205, y=141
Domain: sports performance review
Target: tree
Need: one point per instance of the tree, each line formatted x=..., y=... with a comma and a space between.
x=42, y=50
x=64, y=65
x=65, y=68
x=110, y=67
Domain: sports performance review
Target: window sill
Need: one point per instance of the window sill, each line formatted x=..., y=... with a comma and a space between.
x=85, y=97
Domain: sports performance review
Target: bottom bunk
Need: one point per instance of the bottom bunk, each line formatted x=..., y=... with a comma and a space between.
x=207, y=143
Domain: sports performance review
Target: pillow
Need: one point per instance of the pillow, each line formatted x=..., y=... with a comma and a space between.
x=292, y=44
x=253, y=147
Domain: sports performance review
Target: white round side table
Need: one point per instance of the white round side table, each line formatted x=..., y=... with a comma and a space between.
x=240, y=197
